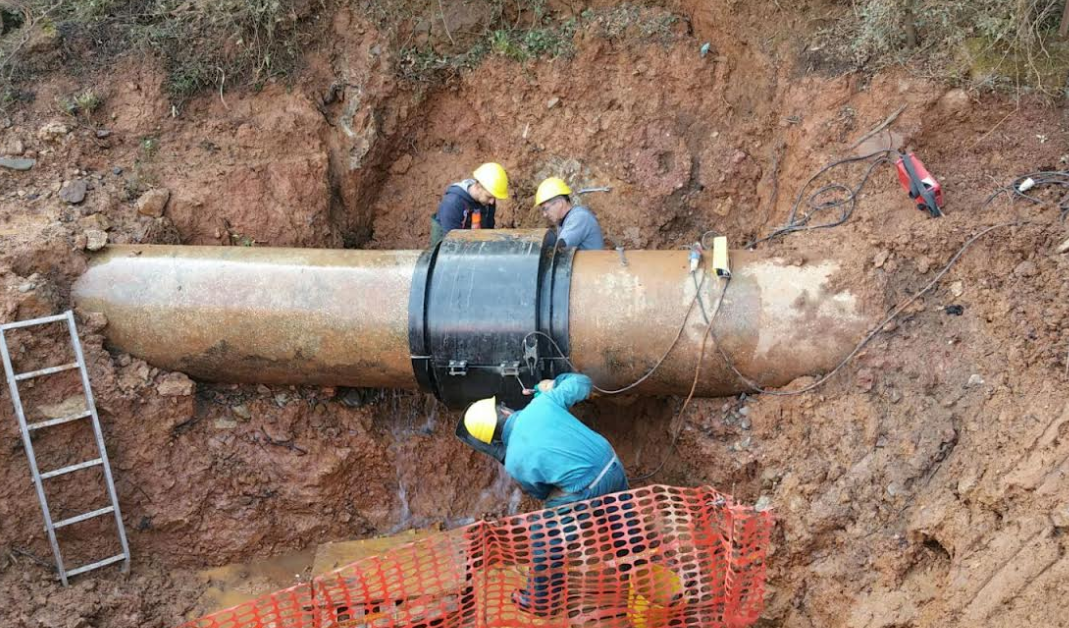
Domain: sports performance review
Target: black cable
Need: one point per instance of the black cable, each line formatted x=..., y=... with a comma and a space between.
x=653, y=369
x=698, y=290
x=1040, y=180
x=846, y=204
x=693, y=388
x=872, y=334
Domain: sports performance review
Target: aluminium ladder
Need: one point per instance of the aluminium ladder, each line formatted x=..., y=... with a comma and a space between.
x=101, y=460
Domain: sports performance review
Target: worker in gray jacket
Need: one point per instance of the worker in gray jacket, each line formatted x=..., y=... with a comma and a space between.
x=576, y=225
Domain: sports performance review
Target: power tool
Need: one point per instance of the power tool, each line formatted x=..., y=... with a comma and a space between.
x=920, y=184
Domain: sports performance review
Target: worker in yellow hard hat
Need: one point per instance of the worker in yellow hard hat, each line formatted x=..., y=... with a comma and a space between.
x=576, y=225
x=555, y=458
x=470, y=204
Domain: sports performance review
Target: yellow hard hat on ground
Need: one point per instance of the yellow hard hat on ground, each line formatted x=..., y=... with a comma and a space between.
x=654, y=596
x=551, y=188
x=492, y=177
x=480, y=419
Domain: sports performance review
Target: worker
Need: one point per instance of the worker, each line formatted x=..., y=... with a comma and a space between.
x=470, y=204
x=576, y=225
x=555, y=459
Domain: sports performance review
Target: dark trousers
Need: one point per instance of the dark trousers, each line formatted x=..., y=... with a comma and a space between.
x=564, y=526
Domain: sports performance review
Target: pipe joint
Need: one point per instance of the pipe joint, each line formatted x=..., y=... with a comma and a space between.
x=483, y=307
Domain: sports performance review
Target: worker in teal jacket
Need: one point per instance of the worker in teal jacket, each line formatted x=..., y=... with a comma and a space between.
x=555, y=459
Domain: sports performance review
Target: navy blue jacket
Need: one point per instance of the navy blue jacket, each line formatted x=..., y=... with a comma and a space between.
x=457, y=206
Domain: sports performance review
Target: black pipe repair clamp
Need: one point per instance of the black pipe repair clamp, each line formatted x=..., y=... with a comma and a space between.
x=477, y=297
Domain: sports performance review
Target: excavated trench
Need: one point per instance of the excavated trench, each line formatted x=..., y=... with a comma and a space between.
x=923, y=486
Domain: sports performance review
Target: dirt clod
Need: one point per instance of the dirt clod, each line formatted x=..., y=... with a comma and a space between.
x=95, y=239
x=175, y=385
x=153, y=202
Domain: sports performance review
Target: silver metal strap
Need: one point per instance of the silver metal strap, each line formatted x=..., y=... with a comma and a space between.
x=601, y=475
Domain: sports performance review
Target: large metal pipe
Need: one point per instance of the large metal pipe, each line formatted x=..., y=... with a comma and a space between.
x=778, y=320
x=260, y=315
x=340, y=317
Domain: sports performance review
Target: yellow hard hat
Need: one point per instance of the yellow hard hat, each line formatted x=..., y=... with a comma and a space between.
x=654, y=596
x=551, y=188
x=480, y=419
x=492, y=177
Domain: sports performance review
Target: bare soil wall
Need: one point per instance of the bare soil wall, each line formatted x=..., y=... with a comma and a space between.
x=924, y=486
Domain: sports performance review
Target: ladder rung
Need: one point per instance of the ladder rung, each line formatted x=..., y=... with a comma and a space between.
x=35, y=321
x=72, y=468
x=83, y=517
x=100, y=563
x=59, y=421
x=48, y=371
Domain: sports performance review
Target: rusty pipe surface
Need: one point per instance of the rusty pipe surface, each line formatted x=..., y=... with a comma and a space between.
x=777, y=320
x=258, y=315
x=340, y=317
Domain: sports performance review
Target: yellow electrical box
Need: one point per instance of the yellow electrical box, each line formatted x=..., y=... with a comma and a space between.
x=720, y=257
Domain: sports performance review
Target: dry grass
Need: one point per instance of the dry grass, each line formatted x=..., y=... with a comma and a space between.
x=994, y=43
x=203, y=44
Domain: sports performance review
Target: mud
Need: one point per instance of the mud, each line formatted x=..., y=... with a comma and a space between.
x=925, y=485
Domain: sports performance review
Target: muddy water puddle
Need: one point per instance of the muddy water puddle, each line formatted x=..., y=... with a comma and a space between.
x=236, y=583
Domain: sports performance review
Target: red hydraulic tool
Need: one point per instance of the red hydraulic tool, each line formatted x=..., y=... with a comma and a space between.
x=921, y=185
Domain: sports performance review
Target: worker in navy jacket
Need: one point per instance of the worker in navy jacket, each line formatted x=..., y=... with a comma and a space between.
x=471, y=203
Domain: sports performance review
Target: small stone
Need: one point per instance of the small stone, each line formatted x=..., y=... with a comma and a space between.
x=81, y=241
x=744, y=423
x=881, y=258
x=175, y=385
x=153, y=202
x=94, y=322
x=744, y=411
x=53, y=131
x=401, y=166
x=893, y=489
x=1060, y=516
x=74, y=192
x=281, y=399
x=95, y=239
x=957, y=288
x=923, y=264
x=95, y=221
x=225, y=424
x=1063, y=247
x=263, y=390
x=103, y=133
x=764, y=503
x=116, y=171
x=14, y=147
x=974, y=381
x=13, y=163
x=866, y=379
x=552, y=102
x=26, y=287
x=242, y=412
x=1026, y=268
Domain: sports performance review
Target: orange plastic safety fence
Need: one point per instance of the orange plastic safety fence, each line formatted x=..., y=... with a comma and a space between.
x=649, y=557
